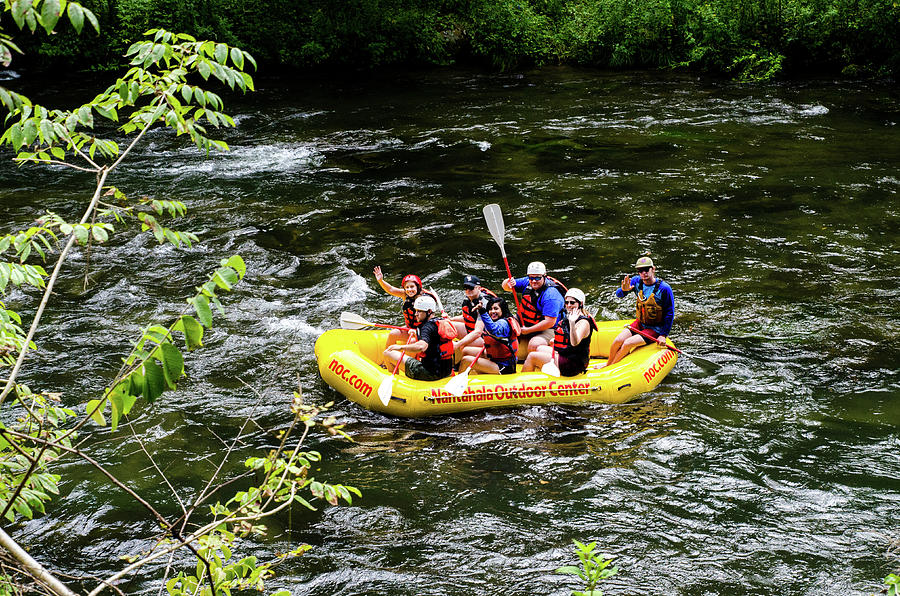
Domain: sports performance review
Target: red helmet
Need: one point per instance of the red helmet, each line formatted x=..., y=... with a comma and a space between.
x=411, y=277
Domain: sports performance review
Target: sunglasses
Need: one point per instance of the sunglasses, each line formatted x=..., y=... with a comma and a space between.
x=643, y=269
x=535, y=277
x=571, y=302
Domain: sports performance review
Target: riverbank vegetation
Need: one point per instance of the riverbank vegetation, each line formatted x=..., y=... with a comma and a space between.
x=743, y=39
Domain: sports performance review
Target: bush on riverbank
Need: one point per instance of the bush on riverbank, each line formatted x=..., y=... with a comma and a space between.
x=747, y=39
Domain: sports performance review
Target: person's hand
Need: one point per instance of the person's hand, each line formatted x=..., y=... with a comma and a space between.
x=573, y=316
x=378, y=274
x=626, y=284
x=510, y=284
x=661, y=340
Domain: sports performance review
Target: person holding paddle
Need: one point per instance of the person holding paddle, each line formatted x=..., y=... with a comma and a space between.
x=433, y=351
x=541, y=302
x=411, y=288
x=655, y=311
x=571, y=348
x=500, y=331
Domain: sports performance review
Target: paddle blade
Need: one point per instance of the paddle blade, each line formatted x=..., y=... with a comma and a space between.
x=457, y=385
x=550, y=369
x=385, y=390
x=707, y=365
x=494, y=218
x=351, y=320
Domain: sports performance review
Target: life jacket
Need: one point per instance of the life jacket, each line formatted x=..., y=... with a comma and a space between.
x=503, y=348
x=447, y=333
x=468, y=310
x=530, y=314
x=649, y=312
x=562, y=341
x=409, y=312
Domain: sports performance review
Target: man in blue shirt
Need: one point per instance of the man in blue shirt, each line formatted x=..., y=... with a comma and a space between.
x=655, y=310
x=541, y=302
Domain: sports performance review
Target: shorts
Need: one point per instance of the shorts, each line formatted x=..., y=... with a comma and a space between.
x=548, y=334
x=416, y=370
x=507, y=367
x=637, y=326
x=569, y=367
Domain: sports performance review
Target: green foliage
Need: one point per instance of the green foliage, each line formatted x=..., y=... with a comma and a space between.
x=893, y=584
x=285, y=473
x=594, y=568
x=747, y=40
x=28, y=447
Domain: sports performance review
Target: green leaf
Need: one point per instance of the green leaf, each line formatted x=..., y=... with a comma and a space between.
x=236, y=263
x=204, y=70
x=193, y=332
x=58, y=152
x=99, y=234
x=93, y=407
x=92, y=19
x=173, y=363
x=50, y=13
x=237, y=57
x=29, y=132
x=76, y=16
x=81, y=234
x=201, y=306
x=85, y=116
x=154, y=381
x=221, y=53
x=136, y=382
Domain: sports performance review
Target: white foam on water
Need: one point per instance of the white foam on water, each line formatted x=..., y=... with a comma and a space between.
x=242, y=161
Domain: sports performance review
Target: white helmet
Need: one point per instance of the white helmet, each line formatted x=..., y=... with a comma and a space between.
x=536, y=268
x=577, y=295
x=425, y=303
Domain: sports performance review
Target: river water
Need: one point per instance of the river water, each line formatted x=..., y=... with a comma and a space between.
x=771, y=210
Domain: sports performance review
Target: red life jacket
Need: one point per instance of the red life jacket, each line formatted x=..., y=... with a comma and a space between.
x=447, y=333
x=530, y=314
x=469, y=316
x=562, y=341
x=409, y=312
x=503, y=348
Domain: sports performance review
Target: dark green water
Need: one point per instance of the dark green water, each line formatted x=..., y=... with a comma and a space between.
x=773, y=211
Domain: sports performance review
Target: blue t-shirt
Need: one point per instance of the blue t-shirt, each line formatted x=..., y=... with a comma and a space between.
x=664, y=297
x=549, y=301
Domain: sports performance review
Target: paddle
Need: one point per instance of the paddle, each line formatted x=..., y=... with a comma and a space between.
x=707, y=365
x=494, y=218
x=387, y=385
x=351, y=320
x=457, y=385
x=551, y=369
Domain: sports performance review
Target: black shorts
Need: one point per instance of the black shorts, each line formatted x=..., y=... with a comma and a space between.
x=416, y=370
x=569, y=367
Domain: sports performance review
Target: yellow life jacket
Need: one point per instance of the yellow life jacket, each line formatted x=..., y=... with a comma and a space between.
x=649, y=312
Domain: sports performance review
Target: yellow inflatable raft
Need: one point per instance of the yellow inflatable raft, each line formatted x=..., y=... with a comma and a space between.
x=350, y=360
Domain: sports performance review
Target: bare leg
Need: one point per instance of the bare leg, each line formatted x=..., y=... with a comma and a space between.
x=625, y=347
x=486, y=365
x=538, y=358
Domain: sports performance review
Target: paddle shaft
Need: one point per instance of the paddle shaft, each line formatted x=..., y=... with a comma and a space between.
x=653, y=339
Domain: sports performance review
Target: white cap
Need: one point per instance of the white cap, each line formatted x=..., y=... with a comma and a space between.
x=577, y=295
x=536, y=268
x=425, y=303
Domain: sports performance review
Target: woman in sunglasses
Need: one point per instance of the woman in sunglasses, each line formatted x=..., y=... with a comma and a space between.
x=571, y=341
x=655, y=310
x=500, y=331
